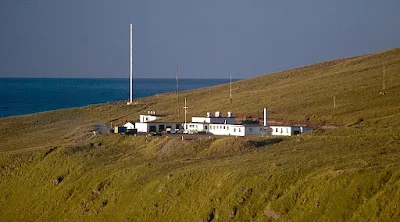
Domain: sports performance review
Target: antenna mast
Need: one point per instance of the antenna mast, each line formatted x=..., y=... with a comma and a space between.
x=177, y=89
x=131, y=65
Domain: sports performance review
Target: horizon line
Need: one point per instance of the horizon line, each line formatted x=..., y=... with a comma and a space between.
x=7, y=77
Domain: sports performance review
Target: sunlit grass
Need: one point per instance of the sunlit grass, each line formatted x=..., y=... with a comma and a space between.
x=54, y=168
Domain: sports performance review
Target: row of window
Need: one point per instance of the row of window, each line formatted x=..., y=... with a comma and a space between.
x=217, y=127
x=277, y=130
x=251, y=129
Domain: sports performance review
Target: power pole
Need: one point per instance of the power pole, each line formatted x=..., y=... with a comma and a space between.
x=185, y=107
x=177, y=88
x=384, y=79
x=383, y=92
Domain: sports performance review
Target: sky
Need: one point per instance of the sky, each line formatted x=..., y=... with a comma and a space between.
x=207, y=38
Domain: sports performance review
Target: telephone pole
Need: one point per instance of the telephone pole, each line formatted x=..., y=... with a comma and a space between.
x=185, y=107
x=177, y=88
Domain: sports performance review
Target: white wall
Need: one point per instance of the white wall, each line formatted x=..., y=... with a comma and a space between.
x=148, y=118
x=141, y=127
x=281, y=130
x=129, y=125
x=197, y=127
x=145, y=127
x=227, y=129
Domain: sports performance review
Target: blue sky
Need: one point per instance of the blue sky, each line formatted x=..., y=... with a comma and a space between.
x=208, y=38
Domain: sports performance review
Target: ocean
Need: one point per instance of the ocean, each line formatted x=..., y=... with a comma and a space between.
x=19, y=96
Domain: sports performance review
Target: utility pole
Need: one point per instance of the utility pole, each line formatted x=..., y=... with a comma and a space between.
x=383, y=92
x=185, y=107
x=384, y=80
x=177, y=88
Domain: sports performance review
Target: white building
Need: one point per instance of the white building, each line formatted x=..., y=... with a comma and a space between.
x=226, y=126
x=215, y=119
x=216, y=125
x=288, y=130
x=151, y=116
x=156, y=126
x=129, y=125
x=147, y=123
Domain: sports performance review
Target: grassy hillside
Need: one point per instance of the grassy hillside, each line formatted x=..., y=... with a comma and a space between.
x=54, y=168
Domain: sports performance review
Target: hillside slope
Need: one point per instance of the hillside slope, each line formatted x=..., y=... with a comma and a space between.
x=54, y=168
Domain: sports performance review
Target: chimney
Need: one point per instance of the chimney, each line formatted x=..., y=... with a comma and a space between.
x=265, y=116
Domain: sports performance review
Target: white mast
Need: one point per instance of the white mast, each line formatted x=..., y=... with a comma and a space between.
x=131, y=66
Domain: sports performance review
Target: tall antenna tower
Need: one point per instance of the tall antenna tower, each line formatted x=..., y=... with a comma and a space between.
x=177, y=88
x=131, y=65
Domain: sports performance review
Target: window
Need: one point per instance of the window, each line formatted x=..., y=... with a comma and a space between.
x=224, y=127
x=234, y=130
x=260, y=129
x=276, y=130
x=239, y=130
x=250, y=130
x=227, y=127
x=205, y=127
x=287, y=130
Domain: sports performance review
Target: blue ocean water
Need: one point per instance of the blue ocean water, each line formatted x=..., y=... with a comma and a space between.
x=19, y=96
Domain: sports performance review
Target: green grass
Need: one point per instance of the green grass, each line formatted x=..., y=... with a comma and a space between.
x=346, y=173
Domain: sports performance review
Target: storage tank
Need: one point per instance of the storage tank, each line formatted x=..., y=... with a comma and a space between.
x=229, y=114
x=208, y=114
x=218, y=114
